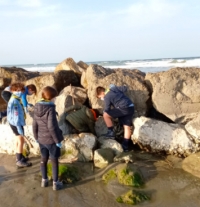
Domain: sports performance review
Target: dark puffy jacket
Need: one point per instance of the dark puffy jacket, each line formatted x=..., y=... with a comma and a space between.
x=81, y=118
x=45, y=124
x=115, y=97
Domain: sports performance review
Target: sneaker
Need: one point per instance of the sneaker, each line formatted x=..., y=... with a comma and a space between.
x=24, y=159
x=21, y=164
x=57, y=185
x=110, y=134
x=44, y=183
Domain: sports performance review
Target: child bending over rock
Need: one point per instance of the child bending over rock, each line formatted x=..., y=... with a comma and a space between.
x=122, y=108
x=48, y=135
x=16, y=119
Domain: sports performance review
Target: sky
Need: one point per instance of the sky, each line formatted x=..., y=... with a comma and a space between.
x=48, y=31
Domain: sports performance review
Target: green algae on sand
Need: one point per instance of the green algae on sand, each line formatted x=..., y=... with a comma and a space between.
x=133, y=197
x=68, y=174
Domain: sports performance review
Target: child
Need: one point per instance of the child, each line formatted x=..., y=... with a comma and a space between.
x=48, y=135
x=123, y=109
x=28, y=90
x=16, y=119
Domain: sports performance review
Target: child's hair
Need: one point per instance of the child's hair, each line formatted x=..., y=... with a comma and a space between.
x=99, y=90
x=32, y=87
x=17, y=87
x=49, y=93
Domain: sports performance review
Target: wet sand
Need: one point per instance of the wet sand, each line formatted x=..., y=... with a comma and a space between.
x=167, y=183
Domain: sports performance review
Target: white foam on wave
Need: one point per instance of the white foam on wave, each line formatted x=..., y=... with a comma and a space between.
x=40, y=69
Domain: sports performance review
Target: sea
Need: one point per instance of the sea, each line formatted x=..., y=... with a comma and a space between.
x=144, y=65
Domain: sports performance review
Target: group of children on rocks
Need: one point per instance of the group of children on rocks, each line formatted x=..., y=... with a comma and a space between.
x=45, y=125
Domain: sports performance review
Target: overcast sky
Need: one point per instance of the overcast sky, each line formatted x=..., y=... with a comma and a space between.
x=48, y=31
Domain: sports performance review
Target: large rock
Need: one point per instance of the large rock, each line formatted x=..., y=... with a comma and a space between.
x=175, y=93
x=191, y=164
x=193, y=128
x=98, y=76
x=82, y=65
x=7, y=141
x=58, y=80
x=103, y=157
x=100, y=126
x=65, y=100
x=158, y=136
x=78, y=148
x=69, y=64
x=12, y=74
x=110, y=144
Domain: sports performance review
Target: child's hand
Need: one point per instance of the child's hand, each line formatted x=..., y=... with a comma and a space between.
x=59, y=145
x=26, y=110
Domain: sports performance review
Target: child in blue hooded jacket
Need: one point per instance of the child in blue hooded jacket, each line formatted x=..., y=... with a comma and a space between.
x=117, y=105
x=16, y=119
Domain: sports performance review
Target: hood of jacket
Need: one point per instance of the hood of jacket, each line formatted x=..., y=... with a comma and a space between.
x=42, y=107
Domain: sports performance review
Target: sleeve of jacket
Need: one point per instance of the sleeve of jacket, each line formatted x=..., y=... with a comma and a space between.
x=122, y=88
x=24, y=101
x=107, y=103
x=73, y=107
x=35, y=129
x=53, y=127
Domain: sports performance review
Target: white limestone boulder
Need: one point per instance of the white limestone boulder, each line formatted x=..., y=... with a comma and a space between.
x=78, y=147
x=110, y=144
x=7, y=140
x=103, y=157
x=158, y=136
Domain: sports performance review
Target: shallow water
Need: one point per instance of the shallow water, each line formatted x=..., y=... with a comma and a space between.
x=166, y=182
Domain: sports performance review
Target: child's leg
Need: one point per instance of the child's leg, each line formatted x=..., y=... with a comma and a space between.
x=127, y=132
x=55, y=169
x=108, y=120
x=19, y=147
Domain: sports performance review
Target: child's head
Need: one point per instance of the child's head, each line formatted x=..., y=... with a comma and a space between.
x=49, y=93
x=31, y=89
x=17, y=87
x=100, y=91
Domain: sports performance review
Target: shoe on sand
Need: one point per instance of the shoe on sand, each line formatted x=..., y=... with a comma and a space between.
x=57, y=185
x=21, y=164
x=44, y=183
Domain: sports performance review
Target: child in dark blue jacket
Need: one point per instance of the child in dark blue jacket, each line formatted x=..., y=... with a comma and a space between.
x=48, y=134
x=16, y=119
x=117, y=105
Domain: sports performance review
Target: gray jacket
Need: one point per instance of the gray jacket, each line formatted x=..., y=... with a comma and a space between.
x=45, y=124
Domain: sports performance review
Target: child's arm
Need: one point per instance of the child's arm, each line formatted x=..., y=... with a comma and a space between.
x=52, y=125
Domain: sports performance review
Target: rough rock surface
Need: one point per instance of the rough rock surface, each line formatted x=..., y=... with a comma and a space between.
x=158, y=136
x=193, y=128
x=103, y=157
x=98, y=76
x=110, y=144
x=65, y=100
x=82, y=65
x=175, y=93
x=68, y=64
x=7, y=141
x=58, y=80
x=78, y=148
x=12, y=74
x=100, y=126
x=191, y=164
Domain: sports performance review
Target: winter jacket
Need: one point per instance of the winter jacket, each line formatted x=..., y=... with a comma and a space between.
x=81, y=118
x=115, y=97
x=45, y=124
x=15, y=112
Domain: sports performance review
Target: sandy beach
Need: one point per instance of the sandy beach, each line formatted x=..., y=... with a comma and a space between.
x=166, y=182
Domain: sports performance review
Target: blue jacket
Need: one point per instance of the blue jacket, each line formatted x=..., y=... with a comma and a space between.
x=15, y=112
x=115, y=97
